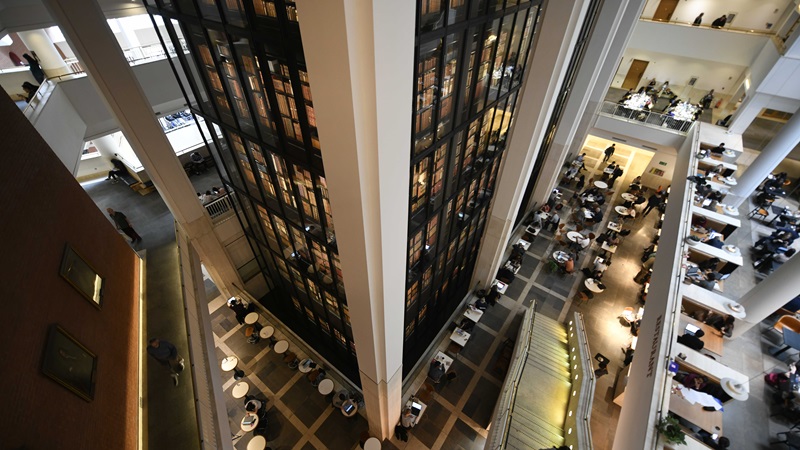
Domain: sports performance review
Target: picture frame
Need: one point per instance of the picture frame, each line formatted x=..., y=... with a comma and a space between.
x=82, y=276
x=69, y=363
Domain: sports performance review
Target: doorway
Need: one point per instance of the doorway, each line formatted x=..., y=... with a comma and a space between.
x=635, y=73
x=665, y=10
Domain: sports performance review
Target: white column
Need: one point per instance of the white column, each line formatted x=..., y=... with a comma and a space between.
x=51, y=61
x=360, y=56
x=778, y=148
x=619, y=42
x=88, y=34
x=127, y=37
x=603, y=46
x=748, y=111
x=778, y=289
x=561, y=24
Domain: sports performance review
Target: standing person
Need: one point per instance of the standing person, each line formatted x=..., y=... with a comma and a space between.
x=609, y=151
x=652, y=202
x=238, y=308
x=35, y=68
x=646, y=266
x=121, y=222
x=614, y=175
x=719, y=22
x=167, y=354
x=30, y=90
x=698, y=20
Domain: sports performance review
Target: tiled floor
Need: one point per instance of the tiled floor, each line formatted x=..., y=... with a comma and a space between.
x=461, y=409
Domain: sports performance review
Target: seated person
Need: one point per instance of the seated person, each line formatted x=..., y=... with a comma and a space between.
x=254, y=407
x=718, y=149
x=721, y=443
x=339, y=400
x=569, y=266
x=597, y=215
x=436, y=372
x=408, y=420
x=635, y=325
x=694, y=381
x=710, y=263
x=481, y=304
x=539, y=218
x=723, y=324
x=714, y=242
x=581, y=243
x=692, y=341
x=600, y=265
x=601, y=199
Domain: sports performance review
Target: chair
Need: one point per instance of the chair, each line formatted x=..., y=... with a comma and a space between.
x=787, y=321
x=585, y=295
x=425, y=393
x=762, y=213
x=627, y=315
x=791, y=439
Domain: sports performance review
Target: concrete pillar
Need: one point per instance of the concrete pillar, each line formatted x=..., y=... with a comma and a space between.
x=748, y=111
x=88, y=34
x=778, y=148
x=608, y=68
x=603, y=46
x=51, y=61
x=126, y=37
x=766, y=297
x=359, y=56
x=561, y=24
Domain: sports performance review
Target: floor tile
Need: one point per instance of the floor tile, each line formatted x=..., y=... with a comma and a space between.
x=338, y=431
x=480, y=407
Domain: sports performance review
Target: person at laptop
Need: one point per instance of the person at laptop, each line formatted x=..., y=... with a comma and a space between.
x=436, y=372
x=408, y=420
x=692, y=340
x=694, y=381
x=714, y=242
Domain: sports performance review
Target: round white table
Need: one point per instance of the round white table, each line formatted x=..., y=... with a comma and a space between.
x=257, y=443
x=573, y=236
x=600, y=184
x=229, y=363
x=240, y=389
x=266, y=332
x=628, y=197
x=730, y=181
x=281, y=347
x=325, y=386
x=731, y=211
x=251, y=318
x=305, y=365
x=621, y=210
x=560, y=257
x=252, y=426
x=591, y=284
x=372, y=444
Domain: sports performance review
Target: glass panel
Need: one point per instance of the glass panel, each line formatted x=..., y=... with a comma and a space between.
x=281, y=81
x=412, y=295
x=208, y=8
x=332, y=305
x=414, y=249
x=244, y=164
x=523, y=50
x=477, y=8
x=272, y=240
x=431, y=14
x=255, y=89
x=449, y=84
x=199, y=92
x=419, y=186
x=234, y=13
x=311, y=116
x=427, y=76
x=264, y=8
x=464, y=103
x=210, y=72
x=495, y=5
x=308, y=199
x=485, y=65
x=284, y=184
x=458, y=11
x=498, y=68
x=513, y=69
x=225, y=57
x=437, y=180
x=326, y=204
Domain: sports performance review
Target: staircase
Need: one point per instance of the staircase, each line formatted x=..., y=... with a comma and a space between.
x=537, y=414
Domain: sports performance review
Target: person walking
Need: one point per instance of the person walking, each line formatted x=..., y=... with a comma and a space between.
x=614, y=175
x=652, y=202
x=119, y=169
x=122, y=224
x=167, y=355
x=609, y=151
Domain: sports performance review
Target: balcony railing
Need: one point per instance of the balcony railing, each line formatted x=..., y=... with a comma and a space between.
x=647, y=118
x=221, y=209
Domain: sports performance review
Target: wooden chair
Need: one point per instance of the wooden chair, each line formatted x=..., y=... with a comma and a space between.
x=789, y=322
x=762, y=213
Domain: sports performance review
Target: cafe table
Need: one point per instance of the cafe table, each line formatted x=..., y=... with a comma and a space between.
x=622, y=211
x=593, y=285
x=444, y=359
x=472, y=313
x=574, y=235
x=600, y=184
x=240, y=389
x=613, y=226
x=628, y=197
x=710, y=421
x=560, y=257
x=257, y=443
x=252, y=426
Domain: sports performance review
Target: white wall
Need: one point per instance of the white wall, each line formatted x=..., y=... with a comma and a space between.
x=11, y=82
x=62, y=128
x=678, y=70
x=749, y=14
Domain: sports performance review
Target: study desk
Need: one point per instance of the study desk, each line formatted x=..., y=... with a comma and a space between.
x=711, y=339
x=713, y=370
x=610, y=249
x=525, y=244
x=460, y=337
x=421, y=410
x=444, y=359
x=593, y=285
x=472, y=313
x=712, y=300
x=694, y=413
x=731, y=260
x=709, y=163
x=613, y=226
x=723, y=223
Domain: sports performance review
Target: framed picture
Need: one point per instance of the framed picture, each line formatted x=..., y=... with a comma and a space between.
x=82, y=276
x=69, y=363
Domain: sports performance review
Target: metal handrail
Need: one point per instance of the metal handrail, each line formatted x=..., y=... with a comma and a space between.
x=725, y=28
x=586, y=398
x=645, y=118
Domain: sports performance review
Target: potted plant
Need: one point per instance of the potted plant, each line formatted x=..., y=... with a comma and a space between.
x=671, y=430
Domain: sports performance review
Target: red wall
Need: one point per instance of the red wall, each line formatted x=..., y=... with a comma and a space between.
x=42, y=208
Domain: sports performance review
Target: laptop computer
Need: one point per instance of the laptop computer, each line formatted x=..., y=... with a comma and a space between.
x=349, y=408
x=692, y=329
x=416, y=408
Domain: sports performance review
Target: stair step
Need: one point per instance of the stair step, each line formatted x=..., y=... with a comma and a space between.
x=523, y=414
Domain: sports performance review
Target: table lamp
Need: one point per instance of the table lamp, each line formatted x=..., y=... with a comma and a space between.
x=737, y=390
